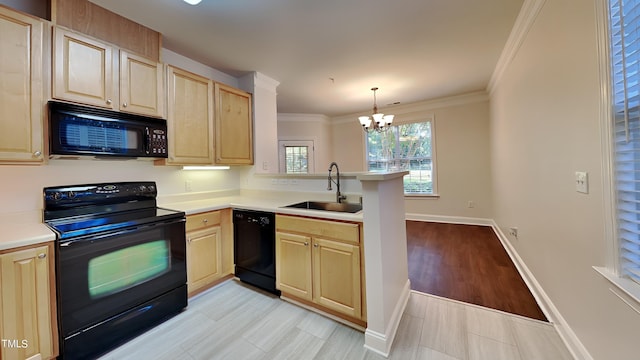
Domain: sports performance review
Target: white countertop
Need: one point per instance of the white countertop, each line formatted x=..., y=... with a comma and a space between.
x=275, y=205
x=24, y=229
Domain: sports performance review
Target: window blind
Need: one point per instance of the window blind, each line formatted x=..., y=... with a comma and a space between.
x=625, y=56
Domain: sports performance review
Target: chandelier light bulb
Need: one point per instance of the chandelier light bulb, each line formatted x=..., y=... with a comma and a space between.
x=381, y=122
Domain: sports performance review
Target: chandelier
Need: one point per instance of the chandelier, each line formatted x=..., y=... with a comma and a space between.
x=380, y=122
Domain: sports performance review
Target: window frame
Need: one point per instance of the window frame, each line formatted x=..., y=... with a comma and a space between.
x=626, y=289
x=415, y=118
x=282, y=161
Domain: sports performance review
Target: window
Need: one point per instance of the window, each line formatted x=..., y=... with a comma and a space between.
x=405, y=147
x=296, y=157
x=625, y=62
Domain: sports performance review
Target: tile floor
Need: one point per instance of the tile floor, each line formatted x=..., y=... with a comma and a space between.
x=232, y=321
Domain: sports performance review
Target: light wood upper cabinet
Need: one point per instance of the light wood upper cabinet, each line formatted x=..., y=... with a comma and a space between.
x=26, y=304
x=234, y=126
x=91, y=72
x=141, y=85
x=21, y=88
x=320, y=261
x=189, y=118
x=85, y=70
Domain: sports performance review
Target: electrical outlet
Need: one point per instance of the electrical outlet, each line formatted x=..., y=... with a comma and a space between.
x=471, y=204
x=582, y=182
x=513, y=231
x=187, y=185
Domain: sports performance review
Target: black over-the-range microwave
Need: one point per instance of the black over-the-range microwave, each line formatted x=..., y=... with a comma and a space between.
x=76, y=130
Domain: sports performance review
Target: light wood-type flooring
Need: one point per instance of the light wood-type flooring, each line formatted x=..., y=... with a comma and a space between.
x=234, y=321
x=467, y=263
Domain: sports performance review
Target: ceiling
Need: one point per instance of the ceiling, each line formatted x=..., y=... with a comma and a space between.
x=328, y=54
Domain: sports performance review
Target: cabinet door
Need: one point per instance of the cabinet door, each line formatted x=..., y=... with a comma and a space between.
x=141, y=85
x=83, y=70
x=234, y=126
x=336, y=276
x=189, y=118
x=21, y=88
x=25, y=304
x=204, y=264
x=293, y=265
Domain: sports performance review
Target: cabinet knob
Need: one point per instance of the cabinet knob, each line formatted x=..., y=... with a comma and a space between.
x=42, y=256
x=205, y=221
x=125, y=104
x=37, y=153
x=315, y=245
x=189, y=240
x=109, y=101
x=306, y=243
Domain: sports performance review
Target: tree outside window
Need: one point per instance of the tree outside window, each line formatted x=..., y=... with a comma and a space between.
x=404, y=147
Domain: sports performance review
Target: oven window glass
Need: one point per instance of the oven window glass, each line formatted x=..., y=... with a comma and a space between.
x=85, y=136
x=122, y=269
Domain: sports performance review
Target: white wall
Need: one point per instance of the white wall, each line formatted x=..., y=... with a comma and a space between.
x=462, y=145
x=310, y=127
x=265, y=120
x=21, y=186
x=545, y=125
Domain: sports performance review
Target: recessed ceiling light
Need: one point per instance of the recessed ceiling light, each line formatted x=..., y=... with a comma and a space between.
x=192, y=2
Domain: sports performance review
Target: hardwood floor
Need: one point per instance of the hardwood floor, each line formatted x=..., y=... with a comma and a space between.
x=234, y=321
x=469, y=264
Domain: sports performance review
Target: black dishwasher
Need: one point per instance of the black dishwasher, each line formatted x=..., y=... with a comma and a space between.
x=254, y=235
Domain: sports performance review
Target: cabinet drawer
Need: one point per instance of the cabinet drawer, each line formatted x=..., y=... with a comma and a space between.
x=347, y=232
x=202, y=220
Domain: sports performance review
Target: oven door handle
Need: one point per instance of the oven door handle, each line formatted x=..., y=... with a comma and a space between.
x=129, y=230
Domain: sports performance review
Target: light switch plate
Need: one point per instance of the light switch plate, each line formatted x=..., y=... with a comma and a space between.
x=582, y=182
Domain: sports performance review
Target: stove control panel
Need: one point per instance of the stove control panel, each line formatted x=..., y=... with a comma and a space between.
x=75, y=195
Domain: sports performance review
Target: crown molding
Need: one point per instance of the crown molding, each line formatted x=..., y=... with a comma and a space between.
x=303, y=118
x=419, y=107
x=527, y=16
x=257, y=79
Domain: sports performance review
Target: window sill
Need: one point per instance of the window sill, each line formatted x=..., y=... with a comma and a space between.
x=627, y=290
x=421, y=196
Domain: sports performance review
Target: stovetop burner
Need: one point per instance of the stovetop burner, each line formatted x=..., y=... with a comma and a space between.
x=81, y=210
x=98, y=223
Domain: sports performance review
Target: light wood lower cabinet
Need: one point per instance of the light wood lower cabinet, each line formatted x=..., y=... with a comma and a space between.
x=293, y=264
x=28, y=326
x=319, y=261
x=336, y=276
x=209, y=249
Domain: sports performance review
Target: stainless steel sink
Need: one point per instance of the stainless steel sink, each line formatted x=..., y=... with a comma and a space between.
x=327, y=206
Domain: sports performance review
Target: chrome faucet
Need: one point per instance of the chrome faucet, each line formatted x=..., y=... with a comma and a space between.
x=339, y=197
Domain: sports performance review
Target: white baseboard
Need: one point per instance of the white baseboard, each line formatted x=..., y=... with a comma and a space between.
x=381, y=343
x=575, y=346
x=449, y=219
